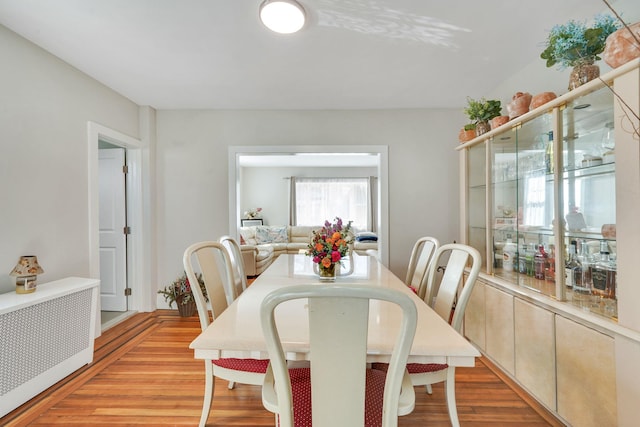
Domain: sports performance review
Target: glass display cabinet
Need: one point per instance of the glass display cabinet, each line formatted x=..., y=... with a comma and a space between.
x=542, y=198
x=540, y=201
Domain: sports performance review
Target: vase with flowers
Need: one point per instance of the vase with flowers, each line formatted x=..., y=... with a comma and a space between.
x=329, y=246
x=577, y=45
x=481, y=111
x=252, y=213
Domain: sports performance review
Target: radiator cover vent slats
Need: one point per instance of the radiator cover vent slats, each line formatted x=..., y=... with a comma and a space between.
x=37, y=338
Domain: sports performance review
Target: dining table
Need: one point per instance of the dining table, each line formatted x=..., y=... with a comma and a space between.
x=237, y=332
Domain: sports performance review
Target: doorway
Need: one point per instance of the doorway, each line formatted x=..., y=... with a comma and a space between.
x=313, y=154
x=100, y=136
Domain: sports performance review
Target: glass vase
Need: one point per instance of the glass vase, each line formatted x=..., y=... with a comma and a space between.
x=583, y=73
x=327, y=274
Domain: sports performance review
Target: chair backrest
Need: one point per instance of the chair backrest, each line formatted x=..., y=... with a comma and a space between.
x=442, y=296
x=237, y=263
x=421, y=256
x=338, y=324
x=211, y=259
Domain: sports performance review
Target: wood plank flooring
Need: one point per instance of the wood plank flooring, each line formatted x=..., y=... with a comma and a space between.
x=144, y=374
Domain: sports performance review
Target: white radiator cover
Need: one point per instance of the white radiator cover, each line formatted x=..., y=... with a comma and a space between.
x=45, y=336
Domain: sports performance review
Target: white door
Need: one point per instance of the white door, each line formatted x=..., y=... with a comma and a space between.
x=113, y=220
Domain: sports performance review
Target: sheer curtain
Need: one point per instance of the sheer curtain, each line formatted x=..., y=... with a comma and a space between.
x=314, y=200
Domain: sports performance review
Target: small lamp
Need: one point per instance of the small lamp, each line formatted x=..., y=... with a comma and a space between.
x=282, y=16
x=26, y=271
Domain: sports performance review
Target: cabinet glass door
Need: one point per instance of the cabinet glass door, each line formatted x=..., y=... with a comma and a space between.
x=589, y=205
x=477, y=228
x=522, y=205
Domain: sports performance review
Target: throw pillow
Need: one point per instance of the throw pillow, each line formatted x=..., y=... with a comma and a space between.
x=367, y=236
x=271, y=234
x=248, y=235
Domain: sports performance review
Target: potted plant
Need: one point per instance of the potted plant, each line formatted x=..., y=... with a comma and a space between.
x=481, y=111
x=180, y=292
x=577, y=45
x=467, y=133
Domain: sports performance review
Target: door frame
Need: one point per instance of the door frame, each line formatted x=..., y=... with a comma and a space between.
x=382, y=151
x=134, y=200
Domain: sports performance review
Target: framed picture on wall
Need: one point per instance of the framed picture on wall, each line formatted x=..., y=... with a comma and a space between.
x=250, y=222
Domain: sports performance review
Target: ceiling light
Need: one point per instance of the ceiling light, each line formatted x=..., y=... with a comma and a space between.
x=282, y=16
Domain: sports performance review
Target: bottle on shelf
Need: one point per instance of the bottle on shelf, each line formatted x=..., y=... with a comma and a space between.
x=583, y=276
x=529, y=260
x=603, y=274
x=522, y=257
x=508, y=254
x=550, y=264
x=570, y=266
x=539, y=260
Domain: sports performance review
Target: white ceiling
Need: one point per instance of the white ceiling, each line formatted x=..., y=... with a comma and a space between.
x=352, y=54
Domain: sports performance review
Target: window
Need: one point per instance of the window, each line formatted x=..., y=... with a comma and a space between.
x=320, y=199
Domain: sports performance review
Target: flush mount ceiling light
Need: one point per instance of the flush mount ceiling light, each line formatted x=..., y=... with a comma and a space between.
x=282, y=16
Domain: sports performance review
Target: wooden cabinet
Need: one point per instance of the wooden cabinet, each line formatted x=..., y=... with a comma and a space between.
x=566, y=172
x=499, y=335
x=586, y=375
x=474, y=316
x=535, y=359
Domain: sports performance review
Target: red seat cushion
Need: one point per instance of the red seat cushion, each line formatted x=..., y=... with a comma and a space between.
x=258, y=366
x=301, y=391
x=414, y=368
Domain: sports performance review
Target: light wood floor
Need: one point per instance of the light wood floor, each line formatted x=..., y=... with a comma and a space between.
x=144, y=374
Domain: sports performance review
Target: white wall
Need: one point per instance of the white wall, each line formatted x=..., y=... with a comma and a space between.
x=44, y=109
x=192, y=169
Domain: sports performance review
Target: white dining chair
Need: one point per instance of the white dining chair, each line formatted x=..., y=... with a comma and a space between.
x=237, y=263
x=212, y=260
x=419, y=261
x=448, y=297
x=338, y=390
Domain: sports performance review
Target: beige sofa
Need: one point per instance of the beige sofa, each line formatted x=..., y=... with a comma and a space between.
x=261, y=245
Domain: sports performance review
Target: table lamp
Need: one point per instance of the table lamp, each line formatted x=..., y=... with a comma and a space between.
x=26, y=271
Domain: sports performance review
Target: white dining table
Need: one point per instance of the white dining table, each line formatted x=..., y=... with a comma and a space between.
x=237, y=332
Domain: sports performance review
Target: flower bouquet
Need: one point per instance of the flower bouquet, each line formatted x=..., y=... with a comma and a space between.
x=329, y=245
x=252, y=213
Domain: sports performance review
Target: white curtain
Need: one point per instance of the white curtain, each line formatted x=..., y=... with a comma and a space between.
x=314, y=200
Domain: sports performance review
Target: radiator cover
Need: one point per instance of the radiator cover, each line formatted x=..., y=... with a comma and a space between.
x=44, y=337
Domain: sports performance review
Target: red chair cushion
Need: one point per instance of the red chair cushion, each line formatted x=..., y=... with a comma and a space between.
x=414, y=368
x=301, y=391
x=246, y=365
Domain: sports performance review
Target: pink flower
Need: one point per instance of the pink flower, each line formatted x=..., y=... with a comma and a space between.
x=335, y=256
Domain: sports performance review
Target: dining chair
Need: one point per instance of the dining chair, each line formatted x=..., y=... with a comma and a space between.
x=421, y=255
x=212, y=260
x=237, y=263
x=337, y=389
x=448, y=297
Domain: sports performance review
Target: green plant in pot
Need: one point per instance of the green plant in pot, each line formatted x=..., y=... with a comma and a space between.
x=481, y=111
x=179, y=291
x=577, y=45
x=467, y=133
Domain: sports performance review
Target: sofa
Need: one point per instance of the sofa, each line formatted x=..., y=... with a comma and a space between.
x=261, y=245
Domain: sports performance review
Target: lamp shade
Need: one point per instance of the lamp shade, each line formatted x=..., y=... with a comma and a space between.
x=27, y=266
x=282, y=16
